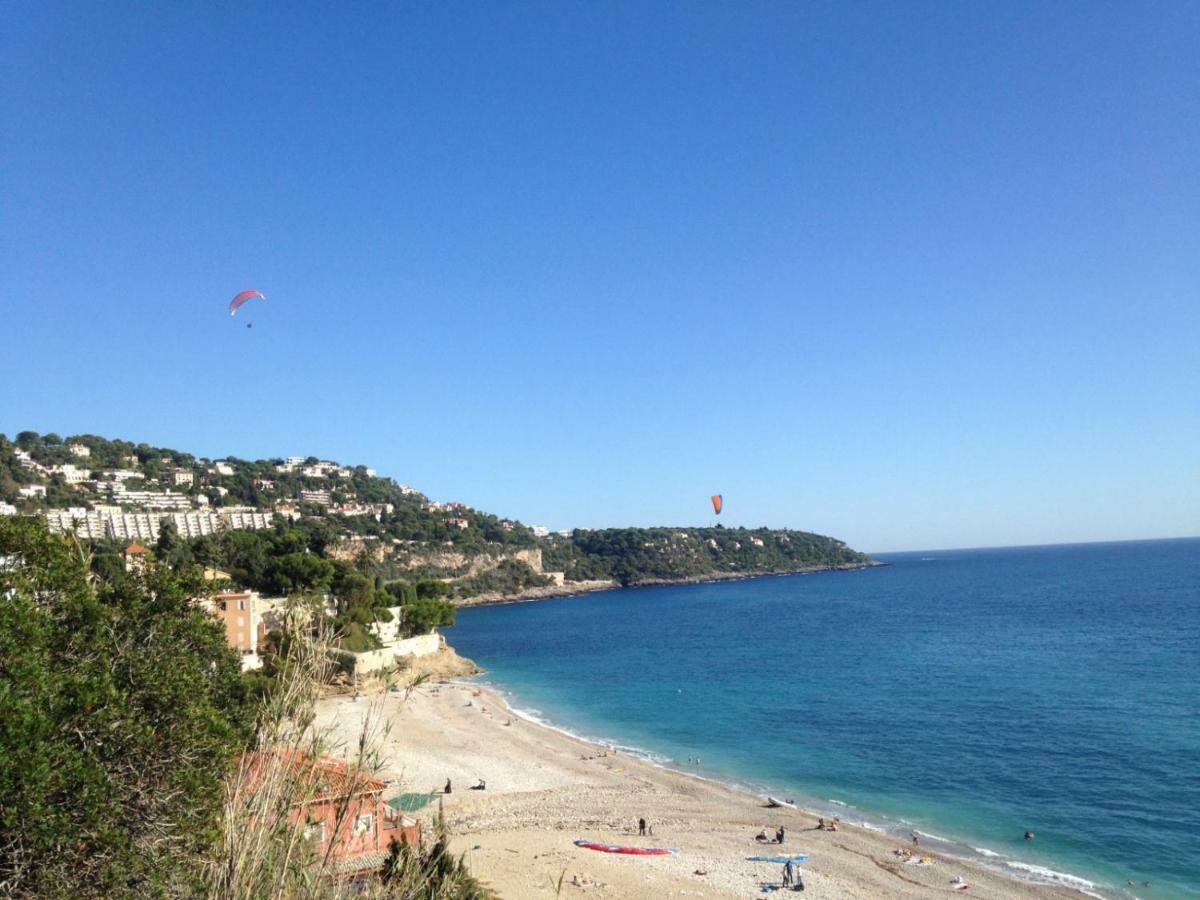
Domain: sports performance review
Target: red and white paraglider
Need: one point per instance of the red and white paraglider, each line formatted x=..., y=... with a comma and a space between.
x=238, y=301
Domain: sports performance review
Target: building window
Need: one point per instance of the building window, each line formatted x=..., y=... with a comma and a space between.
x=241, y=604
x=315, y=831
x=363, y=824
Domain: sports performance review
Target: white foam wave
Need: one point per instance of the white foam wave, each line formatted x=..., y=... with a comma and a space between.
x=869, y=827
x=1051, y=876
x=930, y=834
x=984, y=851
x=536, y=716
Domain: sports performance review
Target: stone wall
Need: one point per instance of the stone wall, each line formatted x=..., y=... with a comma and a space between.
x=374, y=660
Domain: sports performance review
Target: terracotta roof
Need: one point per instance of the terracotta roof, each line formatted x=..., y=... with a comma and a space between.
x=135, y=547
x=316, y=779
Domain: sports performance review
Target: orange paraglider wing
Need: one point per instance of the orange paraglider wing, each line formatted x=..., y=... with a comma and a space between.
x=241, y=298
x=718, y=502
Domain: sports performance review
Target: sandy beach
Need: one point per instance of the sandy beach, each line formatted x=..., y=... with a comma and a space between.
x=545, y=789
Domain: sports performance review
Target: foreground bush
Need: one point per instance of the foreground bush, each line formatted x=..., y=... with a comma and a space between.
x=122, y=707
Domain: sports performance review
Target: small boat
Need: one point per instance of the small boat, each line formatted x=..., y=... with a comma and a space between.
x=631, y=851
x=785, y=858
x=775, y=804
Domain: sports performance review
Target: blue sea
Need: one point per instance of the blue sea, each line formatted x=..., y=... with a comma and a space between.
x=971, y=695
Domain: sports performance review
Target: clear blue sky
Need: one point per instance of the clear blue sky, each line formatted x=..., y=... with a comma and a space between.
x=915, y=275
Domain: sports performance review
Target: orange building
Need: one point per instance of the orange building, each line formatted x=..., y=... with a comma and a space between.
x=244, y=629
x=342, y=813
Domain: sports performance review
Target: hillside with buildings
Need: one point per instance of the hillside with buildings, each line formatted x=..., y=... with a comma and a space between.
x=256, y=520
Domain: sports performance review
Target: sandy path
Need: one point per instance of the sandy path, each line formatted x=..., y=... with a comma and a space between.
x=545, y=789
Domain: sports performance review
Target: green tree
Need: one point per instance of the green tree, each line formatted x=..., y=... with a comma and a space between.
x=171, y=548
x=424, y=615
x=299, y=572
x=122, y=710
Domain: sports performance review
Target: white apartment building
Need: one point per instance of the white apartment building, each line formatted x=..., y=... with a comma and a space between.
x=108, y=523
x=222, y=468
x=79, y=450
x=133, y=526
x=245, y=521
x=182, y=477
x=70, y=474
x=7, y=509
x=321, y=497
x=32, y=490
x=121, y=474
x=84, y=522
x=195, y=524
x=152, y=499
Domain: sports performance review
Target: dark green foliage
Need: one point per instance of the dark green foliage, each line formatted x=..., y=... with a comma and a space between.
x=423, y=615
x=432, y=589
x=298, y=571
x=122, y=709
x=402, y=591
x=355, y=637
x=639, y=555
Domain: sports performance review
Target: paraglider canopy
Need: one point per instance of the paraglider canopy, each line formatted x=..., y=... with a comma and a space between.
x=236, y=303
x=718, y=501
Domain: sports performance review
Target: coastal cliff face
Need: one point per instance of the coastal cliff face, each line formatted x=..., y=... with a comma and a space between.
x=462, y=564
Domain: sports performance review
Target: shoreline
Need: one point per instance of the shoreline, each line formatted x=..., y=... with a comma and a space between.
x=547, y=787
x=580, y=588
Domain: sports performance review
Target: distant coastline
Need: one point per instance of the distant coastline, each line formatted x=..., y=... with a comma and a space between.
x=578, y=588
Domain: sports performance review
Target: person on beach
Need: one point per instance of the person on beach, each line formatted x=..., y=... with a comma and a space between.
x=779, y=835
x=641, y=826
x=447, y=790
x=916, y=840
x=761, y=837
x=787, y=873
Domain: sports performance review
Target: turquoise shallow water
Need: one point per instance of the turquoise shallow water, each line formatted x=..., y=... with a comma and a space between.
x=970, y=694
